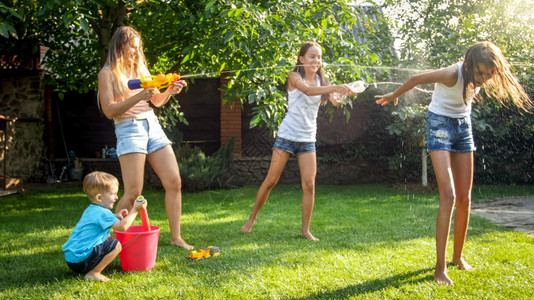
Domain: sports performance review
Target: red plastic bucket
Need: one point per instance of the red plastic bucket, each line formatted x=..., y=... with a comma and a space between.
x=139, y=248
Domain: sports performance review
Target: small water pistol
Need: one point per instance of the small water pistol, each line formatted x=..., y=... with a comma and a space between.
x=144, y=214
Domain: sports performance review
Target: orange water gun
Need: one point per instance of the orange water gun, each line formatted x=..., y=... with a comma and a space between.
x=159, y=81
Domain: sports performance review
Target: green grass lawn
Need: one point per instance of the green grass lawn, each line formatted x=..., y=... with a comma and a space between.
x=376, y=242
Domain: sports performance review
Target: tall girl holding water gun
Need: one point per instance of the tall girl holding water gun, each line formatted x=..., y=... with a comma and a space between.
x=307, y=90
x=450, y=138
x=139, y=134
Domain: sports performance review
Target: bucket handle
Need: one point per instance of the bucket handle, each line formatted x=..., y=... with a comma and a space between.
x=131, y=241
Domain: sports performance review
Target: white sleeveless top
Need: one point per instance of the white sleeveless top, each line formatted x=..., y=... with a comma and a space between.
x=448, y=101
x=141, y=110
x=300, y=122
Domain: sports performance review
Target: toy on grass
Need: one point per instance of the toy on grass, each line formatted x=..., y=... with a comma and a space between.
x=144, y=214
x=204, y=253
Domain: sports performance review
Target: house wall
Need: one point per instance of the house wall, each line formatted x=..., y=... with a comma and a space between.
x=22, y=102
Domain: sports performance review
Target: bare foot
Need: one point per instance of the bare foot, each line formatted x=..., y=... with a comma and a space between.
x=462, y=264
x=442, y=278
x=247, y=227
x=309, y=236
x=183, y=244
x=96, y=276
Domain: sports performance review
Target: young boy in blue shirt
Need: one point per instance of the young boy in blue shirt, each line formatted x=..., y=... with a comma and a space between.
x=90, y=247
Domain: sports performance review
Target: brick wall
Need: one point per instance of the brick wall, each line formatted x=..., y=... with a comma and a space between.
x=231, y=121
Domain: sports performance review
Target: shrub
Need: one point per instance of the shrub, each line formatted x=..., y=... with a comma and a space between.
x=200, y=172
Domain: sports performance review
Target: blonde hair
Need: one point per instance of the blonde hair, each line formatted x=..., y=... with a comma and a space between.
x=122, y=38
x=504, y=85
x=98, y=182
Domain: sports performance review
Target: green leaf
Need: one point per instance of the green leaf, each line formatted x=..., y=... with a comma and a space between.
x=84, y=24
x=255, y=121
x=3, y=31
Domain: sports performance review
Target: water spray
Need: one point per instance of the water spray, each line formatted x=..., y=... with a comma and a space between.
x=166, y=80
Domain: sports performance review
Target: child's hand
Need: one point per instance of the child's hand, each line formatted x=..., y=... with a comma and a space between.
x=121, y=214
x=387, y=98
x=140, y=205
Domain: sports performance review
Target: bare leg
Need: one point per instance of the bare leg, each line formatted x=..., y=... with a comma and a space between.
x=442, y=167
x=133, y=171
x=278, y=161
x=308, y=170
x=462, y=169
x=164, y=163
x=95, y=273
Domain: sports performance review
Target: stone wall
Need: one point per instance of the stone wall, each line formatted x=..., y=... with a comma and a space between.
x=22, y=102
x=252, y=170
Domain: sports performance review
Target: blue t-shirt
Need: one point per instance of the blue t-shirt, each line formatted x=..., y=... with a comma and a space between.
x=92, y=230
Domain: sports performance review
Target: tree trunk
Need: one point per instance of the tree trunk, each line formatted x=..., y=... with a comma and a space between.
x=424, y=169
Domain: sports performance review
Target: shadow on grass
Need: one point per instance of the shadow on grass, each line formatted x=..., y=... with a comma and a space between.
x=20, y=272
x=375, y=285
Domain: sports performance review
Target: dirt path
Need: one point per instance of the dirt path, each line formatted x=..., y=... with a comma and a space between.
x=512, y=212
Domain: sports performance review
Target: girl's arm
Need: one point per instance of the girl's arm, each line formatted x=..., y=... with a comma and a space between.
x=447, y=76
x=110, y=106
x=297, y=82
x=160, y=99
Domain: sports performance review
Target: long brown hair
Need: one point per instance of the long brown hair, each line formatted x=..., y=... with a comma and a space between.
x=503, y=86
x=124, y=37
x=300, y=69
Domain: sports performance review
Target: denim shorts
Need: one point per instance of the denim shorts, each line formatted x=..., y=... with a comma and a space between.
x=294, y=148
x=95, y=258
x=140, y=136
x=451, y=134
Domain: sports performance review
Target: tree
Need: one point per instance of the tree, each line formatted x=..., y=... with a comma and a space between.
x=436, y=33
x=255, y=40
x=77, y=34
x=255, y=44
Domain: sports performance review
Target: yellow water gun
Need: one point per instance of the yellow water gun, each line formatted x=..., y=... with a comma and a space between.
x=159, y=81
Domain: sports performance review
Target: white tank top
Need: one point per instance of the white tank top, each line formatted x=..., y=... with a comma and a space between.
x=448, y=101
x=300, y=122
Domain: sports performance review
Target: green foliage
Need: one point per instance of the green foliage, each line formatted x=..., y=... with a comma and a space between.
x=255, y=44
x=9, y=17
x=409, y=125
x=504, y=139
x=73, y=30
x=436, y=33
x=200, y=172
